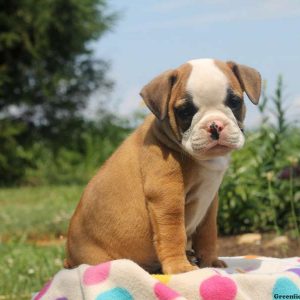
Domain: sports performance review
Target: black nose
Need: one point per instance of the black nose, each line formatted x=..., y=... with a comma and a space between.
x=214, y=130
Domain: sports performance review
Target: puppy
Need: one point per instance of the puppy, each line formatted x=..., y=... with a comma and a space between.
x=156, y=197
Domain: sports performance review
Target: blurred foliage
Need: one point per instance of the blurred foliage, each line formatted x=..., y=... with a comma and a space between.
x=77, y=164
x=14, y=158
x=47, y=73
x=253, y=196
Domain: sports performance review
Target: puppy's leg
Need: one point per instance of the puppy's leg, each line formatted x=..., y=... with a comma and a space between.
x=205, y=239
x=163, y=185
x=166, y=210
x=169, y=236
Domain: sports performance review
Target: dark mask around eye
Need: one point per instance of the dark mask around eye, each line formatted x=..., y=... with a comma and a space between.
x=236, y=104
x=185, y=113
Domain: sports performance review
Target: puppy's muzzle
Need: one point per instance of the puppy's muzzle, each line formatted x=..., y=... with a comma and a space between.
x=216, y=131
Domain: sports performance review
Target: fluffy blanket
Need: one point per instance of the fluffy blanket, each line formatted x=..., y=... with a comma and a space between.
x=247, y=277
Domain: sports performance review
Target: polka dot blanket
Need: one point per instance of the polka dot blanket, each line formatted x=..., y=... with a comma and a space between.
x=247, y=277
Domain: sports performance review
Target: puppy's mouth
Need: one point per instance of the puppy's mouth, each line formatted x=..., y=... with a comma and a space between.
x=217, y=142
x=215, y=145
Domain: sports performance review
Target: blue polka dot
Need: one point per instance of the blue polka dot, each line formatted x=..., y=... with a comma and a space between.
x=115, y=294
x=284, y=286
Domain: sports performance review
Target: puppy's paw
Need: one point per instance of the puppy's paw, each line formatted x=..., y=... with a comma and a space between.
x=218, y=263
x=212, y=262
x=178, y=267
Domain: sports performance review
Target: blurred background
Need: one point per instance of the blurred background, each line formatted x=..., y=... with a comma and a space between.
x=70, y=76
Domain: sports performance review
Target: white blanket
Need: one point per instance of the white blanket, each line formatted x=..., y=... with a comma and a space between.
x=247, y=277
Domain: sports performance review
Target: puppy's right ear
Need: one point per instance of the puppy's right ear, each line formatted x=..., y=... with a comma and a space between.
x=157, y=93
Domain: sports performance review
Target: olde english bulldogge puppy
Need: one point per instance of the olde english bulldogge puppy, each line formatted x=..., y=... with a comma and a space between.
x=156, y=197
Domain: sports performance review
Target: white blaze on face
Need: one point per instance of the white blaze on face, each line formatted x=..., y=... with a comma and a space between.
x=208, y=86
x=207, y=83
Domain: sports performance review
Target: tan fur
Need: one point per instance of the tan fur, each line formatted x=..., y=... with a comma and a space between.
x=178, y=92
x=226, y=68
x=134, y=207
x=157, y=92
x=138, y=204
x=249, y=78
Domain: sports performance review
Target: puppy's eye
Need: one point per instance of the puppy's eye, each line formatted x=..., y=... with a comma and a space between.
x=186, y=110
x=234, y=102
x=184, y=114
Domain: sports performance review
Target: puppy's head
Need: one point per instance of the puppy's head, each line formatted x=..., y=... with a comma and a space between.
x=203, y=103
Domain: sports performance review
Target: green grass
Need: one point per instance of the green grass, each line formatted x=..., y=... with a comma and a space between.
x=25, y=268
x=38, y=212
x=27, y=217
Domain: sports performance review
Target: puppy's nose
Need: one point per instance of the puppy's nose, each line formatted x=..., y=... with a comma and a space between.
x=215, y=127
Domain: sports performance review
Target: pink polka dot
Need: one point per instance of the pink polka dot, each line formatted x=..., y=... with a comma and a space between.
x=43, y=291
x=96, y=274
x=218, y=287
x=163, y=292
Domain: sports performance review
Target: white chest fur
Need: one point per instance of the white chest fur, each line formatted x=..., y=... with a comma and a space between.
x=200, y=193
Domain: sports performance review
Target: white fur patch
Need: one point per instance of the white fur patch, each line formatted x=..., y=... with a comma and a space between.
x=200, y=196
x=207, y=83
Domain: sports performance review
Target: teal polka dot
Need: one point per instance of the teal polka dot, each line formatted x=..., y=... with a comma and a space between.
x=284, y=286
x=115, y=294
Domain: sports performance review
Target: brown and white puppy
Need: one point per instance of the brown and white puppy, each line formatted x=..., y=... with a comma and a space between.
x=157, y=196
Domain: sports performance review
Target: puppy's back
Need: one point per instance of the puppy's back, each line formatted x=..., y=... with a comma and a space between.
x=111, y=220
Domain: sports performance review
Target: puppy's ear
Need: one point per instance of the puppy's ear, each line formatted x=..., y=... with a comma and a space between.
x=249, y=79
x=157, y=93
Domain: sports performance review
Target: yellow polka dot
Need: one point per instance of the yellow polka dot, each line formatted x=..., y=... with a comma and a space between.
x=163, y=278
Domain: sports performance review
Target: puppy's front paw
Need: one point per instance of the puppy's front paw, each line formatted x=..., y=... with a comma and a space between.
x=176, y=267
x=212, y=262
